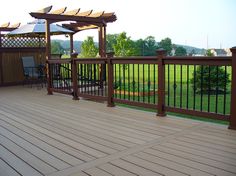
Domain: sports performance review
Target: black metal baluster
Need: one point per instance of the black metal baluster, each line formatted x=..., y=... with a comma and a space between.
x=133, y=84
x=138, y=83
x=86, y=79
x=120, y=83
x=168, y=84
x=154, y=83
x=225, y=88
x=143, y=83
x=105, y=80
x=124, y=80
x=128, y=82
x=194, y=88
x=181, y=85
x=88, y=74
x=149, y=83
x=174, y=85
x=209, y=88
x=187, y=86
x=115, y=81
x=217, y=82
x=81, y=77
x=201, y=86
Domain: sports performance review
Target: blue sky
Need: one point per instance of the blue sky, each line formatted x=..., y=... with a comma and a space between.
x=188, y=22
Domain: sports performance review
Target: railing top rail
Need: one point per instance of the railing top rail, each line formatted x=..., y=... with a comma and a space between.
x=202, y=60
x=59, y=61
x=198, y=57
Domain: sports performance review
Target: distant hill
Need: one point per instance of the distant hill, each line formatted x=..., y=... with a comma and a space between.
x=190, y=49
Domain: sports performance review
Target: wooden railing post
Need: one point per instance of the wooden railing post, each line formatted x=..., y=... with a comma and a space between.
x=74, y=76
x=161, y=53
x=232, y=121
x=49, y=77
x=110, y=102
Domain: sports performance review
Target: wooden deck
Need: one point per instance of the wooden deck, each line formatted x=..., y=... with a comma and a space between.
x=55, y=136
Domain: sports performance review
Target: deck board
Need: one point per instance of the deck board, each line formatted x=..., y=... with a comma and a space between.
x=43, y=135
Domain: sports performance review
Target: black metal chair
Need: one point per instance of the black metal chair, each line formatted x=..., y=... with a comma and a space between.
x=33, y=74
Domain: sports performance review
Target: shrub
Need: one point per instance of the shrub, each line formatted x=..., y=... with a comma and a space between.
x=218, y=79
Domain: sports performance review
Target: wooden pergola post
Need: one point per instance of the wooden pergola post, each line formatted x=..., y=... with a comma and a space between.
x=232, y=120
x=102, y=50
x=102, y=40
x=71, y=44
x=48, y=56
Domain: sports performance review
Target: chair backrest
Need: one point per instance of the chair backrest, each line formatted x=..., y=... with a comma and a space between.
x=28, y=61
x=29, y=66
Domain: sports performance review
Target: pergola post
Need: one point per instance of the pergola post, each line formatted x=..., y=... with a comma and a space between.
x=71, y=44
x=102, y=40
x=48, y=56
x=232, y=120
x=102, y=50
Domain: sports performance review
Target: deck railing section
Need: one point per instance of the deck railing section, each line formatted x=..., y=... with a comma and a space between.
x=60, y=74
x=91, y=80
x=199, y=86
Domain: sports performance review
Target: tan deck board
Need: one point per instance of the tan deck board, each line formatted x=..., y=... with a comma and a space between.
x=44, y=146
x=199, y=159
x=97, y=172
x=26, y=156
x=152, y=166
x=55, y=136
x=6, y=170
x=51, y=141
x=17, y=163
x=43, y=155
x=115, y=170
x=171, y=164
x=204, y=149
x=59, y=137
x=134, y=168
x=199, y=153
x=190, y=163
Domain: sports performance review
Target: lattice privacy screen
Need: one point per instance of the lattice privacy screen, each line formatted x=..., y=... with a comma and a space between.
x=21, y=42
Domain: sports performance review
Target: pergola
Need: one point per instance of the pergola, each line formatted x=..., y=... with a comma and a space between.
x=79, y=21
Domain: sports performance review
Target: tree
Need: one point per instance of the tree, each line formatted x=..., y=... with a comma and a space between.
x=166, y=44
x=124, y=46
x=110, y=41
x=180, y=51
x=214, y=75
x=56, y=48
x=150, y=46
x=88, y=48
x=139, y=47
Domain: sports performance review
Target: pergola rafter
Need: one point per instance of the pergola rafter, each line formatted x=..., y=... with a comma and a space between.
x=6, y=27
x=74, y=15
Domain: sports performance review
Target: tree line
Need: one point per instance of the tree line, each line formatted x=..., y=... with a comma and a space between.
x=123, y=45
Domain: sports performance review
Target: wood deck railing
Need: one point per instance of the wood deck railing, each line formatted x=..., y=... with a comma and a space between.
x=173, y=84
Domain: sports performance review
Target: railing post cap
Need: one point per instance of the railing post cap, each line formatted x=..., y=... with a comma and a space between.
x=74, y=54
x=110, y=54
x=233, y=49
x=161, y=51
